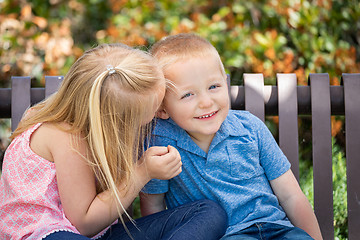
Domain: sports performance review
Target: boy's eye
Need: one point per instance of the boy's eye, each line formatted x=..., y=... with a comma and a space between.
x=213, y=87
x=186, y=95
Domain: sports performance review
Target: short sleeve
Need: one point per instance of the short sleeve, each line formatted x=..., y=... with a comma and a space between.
x=272, y=159
x=156, y=186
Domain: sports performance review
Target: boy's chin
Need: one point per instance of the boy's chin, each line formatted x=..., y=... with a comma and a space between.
x=208, y=133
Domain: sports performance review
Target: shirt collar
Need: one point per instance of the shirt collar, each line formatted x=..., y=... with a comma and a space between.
x=169, y=129
x=232, y=126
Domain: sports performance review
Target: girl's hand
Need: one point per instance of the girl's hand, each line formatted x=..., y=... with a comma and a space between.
x=162, y=162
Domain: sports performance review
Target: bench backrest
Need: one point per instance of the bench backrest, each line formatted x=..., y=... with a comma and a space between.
x=287, y=101
x=320, y=100
x=23, y=96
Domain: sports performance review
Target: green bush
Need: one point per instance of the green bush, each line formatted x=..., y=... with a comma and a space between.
x=340, y=193
x=252, y=36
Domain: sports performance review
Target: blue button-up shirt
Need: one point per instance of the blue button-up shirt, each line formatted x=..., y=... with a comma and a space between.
x=235, y=172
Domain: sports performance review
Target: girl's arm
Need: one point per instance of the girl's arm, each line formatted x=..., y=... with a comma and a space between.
x=88, y=211
x=295, y=204
x=151, y=203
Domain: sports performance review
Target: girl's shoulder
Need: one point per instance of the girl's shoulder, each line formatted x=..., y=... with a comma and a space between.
x=50, y=136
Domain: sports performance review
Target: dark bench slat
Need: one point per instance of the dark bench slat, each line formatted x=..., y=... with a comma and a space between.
x=254, y=94
x=322, y=155
x=352, y=132
x=237, y=96
x=5, y=102
x=20, y=98
x=237, y=99
x=288, y=119
x=23, y=96
x=52, y=84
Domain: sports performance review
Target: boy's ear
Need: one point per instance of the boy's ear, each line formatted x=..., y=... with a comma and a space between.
x=161, y=113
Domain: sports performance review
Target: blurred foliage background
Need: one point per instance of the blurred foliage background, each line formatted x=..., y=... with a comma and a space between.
x=39, y=38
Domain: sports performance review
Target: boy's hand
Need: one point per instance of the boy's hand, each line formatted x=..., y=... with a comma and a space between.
x=162, y=162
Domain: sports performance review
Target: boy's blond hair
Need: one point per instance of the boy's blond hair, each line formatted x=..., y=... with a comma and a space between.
x=104, y=98
x=181, y=47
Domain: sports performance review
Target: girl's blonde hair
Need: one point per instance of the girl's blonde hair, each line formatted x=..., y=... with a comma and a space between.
x=105, y=97
x=181, y=47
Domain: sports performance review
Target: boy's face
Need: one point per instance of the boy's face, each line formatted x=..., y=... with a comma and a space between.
x=199, y=102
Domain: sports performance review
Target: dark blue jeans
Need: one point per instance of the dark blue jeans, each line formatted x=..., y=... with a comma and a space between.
x=267, y=231
x=202, y=219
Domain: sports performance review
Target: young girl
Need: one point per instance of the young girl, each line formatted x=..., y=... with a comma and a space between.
x=71, y=169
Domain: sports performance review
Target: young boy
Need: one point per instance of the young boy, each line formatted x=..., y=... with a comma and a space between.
x=227, y=156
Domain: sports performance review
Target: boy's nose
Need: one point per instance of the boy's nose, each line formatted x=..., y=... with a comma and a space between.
x=205, y=101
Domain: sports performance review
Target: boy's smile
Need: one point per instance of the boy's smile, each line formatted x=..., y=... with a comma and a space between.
x=207, y=116
x=198, y=99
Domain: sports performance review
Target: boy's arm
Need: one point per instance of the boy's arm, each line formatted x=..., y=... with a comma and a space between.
x=295, y=204
x=151, y=203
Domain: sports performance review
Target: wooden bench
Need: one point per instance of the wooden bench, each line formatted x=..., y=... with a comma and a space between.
x=285, y=100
